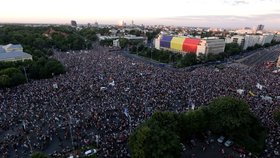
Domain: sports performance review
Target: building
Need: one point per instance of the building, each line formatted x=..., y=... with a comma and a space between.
x=190, y=45
x=245, y=31
x=12, y=52
x=211, y=46
x=252, y=40
x=177, y=44
x=276, y=38
x=15, y=56
x=266, y=38
x=12, y=48
x=260, y=27
x=246, y=41
x=2, y=50
x=238, y=39
x=73, y=23
x=116, y=43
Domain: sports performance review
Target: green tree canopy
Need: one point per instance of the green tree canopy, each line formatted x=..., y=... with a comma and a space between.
x=227, y=113
x=156, y=137
x=188, y=59
x=11, y=77
x=160, y=136
x=277, y=115
x=38, y=155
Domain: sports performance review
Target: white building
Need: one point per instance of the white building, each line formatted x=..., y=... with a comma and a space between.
x=157, y=43
x=246, y=41
x=277, y=38
x=238, y=39
x=211, y=46
x=252, y=40
x=116, y=43
x=15, y=56
x=12, y=48
x=12, y=52
x=245, y=31
x=266, y=38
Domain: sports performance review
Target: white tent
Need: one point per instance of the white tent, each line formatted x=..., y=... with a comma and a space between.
x=112, y=83
x=259, y=86
x=103, y=88
x=240, y=91
x=55, y=85
x=267, y=98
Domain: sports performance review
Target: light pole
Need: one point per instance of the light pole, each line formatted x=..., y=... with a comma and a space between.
x=129, y=118
x=97, y=140
x=71, y=135
x=25, y=74
x=31, y=150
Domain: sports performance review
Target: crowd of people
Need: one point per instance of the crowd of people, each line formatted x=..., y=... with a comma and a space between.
x=104, y=96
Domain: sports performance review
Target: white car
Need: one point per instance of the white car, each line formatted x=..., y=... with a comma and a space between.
x=221, y=139
x=228, y=143
x=90, y=152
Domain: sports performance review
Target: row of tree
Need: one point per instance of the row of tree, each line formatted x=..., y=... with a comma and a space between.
x=15, y=73
x=179, y=60
x=160, y=136
x=40, y=41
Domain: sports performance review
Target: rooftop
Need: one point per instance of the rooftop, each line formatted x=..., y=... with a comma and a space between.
x=14, y=55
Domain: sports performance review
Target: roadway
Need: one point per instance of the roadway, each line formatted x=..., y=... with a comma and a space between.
x=260, y=56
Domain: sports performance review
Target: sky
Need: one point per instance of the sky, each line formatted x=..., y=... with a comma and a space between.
x=203, y=13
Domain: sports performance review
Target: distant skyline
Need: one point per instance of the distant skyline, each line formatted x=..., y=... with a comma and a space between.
x=202, y=13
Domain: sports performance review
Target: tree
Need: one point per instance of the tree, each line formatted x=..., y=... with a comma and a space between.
x=5, y=81
x=192, y=123
x=276, y=115
x=54, y=67
x=160, y=135
x=188, y=59
x=123, y=42
x=11, y=77
x=227, y=114
x=232, y=49
x=38, y=155
x=232, y=117
x=156, y=137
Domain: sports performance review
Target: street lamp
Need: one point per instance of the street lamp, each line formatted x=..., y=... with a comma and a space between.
x=70, y=127
x=97, y=140
x=25, y=74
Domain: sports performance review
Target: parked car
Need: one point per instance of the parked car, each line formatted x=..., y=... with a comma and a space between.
x=239, y=149
x=221, y=139
x=228, y=143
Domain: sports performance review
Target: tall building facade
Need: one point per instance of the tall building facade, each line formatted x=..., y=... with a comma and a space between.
x=186, y=45
x=260, y=27
x=211, y=46
x=246, y=41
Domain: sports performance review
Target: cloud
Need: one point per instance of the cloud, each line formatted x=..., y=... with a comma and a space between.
x=269, y=20
x=236, y=2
